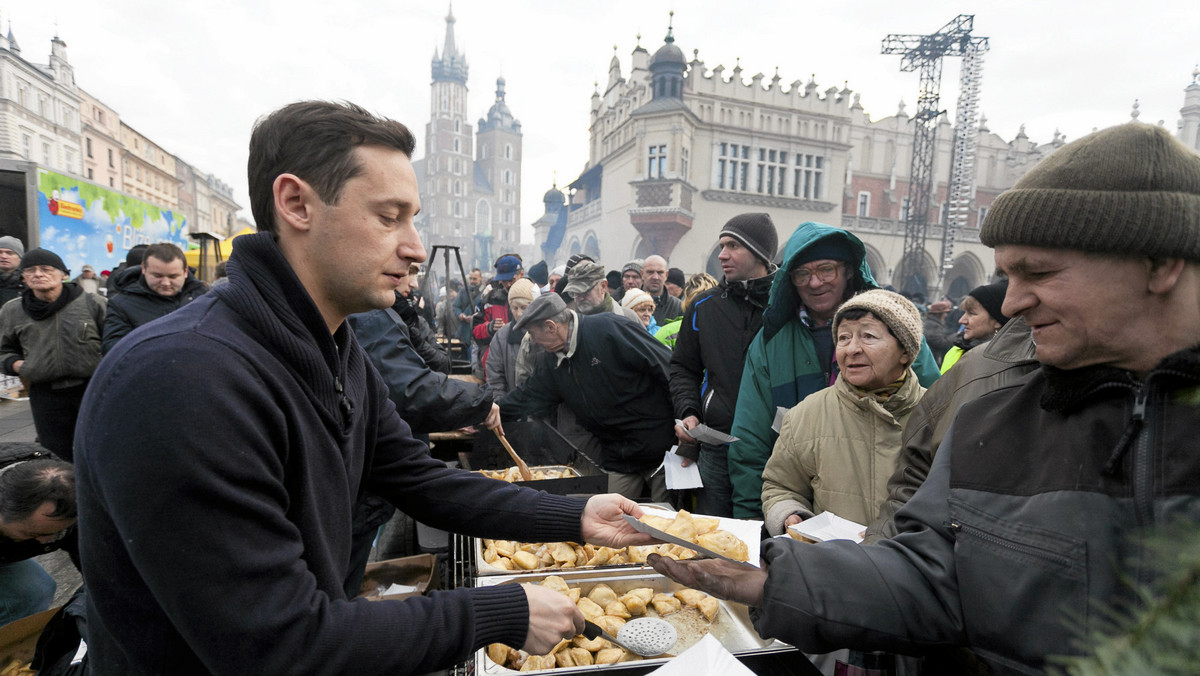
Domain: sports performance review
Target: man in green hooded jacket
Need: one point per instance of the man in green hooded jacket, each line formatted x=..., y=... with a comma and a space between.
x=792, y=356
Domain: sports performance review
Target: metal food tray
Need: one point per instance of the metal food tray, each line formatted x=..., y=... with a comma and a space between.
x=569, y=471
x=732, y=625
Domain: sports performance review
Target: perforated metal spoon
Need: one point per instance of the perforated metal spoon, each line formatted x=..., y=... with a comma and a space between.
x=645, y=636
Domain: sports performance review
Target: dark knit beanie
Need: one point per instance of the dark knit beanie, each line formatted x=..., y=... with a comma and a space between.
x=539, y=273
x=675, y=276
x=991, y=297
x=756, y=232
x=827, y=249
x=43, y=257
x=1128, y=190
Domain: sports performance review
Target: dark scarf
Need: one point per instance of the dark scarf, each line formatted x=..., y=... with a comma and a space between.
x=39, y=309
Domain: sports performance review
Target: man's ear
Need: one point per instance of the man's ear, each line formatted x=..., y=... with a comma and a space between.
x=294, y=201
x=1165, y=274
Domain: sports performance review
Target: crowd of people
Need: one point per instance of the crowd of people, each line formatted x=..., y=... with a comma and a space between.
x=1009, y=452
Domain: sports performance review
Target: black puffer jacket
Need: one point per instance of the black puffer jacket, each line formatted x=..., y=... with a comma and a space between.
x=710, y=350
x=10, y=285
x=138, y=304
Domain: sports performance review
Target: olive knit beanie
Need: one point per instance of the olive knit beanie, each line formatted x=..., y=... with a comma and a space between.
x=897, y=312
x=1129, y=190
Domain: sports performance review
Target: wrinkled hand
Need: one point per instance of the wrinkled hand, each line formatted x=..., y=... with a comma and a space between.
x=492, y=421
x=726, y=580
x=552, y=617
x=682, y=428
x=792, y=520
x=16, y=365
x=602, y=523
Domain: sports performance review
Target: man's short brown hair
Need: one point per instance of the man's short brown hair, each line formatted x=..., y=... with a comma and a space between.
x=314, y=140
x=165, y=252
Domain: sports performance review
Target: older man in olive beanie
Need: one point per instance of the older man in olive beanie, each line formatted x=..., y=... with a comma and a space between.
x=1034, y=519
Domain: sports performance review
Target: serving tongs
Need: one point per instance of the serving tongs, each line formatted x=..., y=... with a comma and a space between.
x=701, y=552
x=526, y=475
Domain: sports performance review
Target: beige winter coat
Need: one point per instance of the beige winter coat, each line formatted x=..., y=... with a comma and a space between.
x=836, y=452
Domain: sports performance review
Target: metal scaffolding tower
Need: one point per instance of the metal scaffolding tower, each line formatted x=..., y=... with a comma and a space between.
x=924, y=53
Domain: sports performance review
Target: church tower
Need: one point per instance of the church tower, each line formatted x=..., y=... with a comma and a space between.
x=1189, y=122
x=448, y=151
x=499, y=162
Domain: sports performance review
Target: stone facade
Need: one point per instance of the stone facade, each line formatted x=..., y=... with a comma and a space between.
x=149, y=169
x=39, y=108
x=470, y=179
x=102, y=149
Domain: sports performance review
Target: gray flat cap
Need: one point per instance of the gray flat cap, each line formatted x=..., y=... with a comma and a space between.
x=545, y=306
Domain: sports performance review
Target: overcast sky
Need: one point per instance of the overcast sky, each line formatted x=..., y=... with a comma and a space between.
x=194, y=76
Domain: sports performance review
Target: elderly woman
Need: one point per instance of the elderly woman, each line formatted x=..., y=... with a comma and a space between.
x=501, y=365
x=838, y=448
x=642, y=304
x=981, y=320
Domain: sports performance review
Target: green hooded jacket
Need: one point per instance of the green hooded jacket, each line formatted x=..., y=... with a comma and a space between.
x=782, y=368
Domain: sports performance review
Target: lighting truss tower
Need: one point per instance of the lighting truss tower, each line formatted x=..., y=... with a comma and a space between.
x=924, y=53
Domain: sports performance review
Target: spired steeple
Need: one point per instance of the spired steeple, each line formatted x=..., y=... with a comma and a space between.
x=499, y=116
x=667, y=67
x=451, y=66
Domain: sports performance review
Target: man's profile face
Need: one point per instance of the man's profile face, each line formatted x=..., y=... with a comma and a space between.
x=165, y=278
x=631, y=279
x=737, y=262
x=1078, y=305
x=475, y=278
x=9, y=260
x=594, y=298
x=654, y=275
x=38, y=526
x=357, y=253
x=551, y=336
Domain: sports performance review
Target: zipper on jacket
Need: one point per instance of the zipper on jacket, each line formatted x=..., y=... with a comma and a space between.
x=1143, y=486
x=1028, y=550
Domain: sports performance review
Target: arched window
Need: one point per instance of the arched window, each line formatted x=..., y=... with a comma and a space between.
x=457, y=145
x=508, y=151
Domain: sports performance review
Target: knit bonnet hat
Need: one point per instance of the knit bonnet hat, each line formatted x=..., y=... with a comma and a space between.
x=1127, y=190
x=13, y=244
x=43, y=257
x=991, y=297
x=898, y=313
x=756, y=232
x=634, y=298
x=522, y=289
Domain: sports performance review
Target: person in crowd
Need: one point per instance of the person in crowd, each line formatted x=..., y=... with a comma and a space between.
x=1004, y=360
x=792, y=356
x=502, y=366
x=421, y=335
x=588, y=289
x=641, y=304
x=447, y=315
x=37, y=516
x=699, y=283
x=52, y=339
x=654, y=282
x=710, y=349
x=87, y=280
x=613, y=375
x=675, y=282
x=11, y=251
x=220, y=276
x=248, y=525
x=467, y=303
x=133, y=258
x=631, y=278
x=495, y=313
x=615, y=288
x=1045, y=494
x=838, y=448
x=159, y=286
x=555, y=275
x=982, y=318
x=539, y=274
x=937, y=333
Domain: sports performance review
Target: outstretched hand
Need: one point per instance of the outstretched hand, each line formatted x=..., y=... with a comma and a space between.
x=726, y=580
x=602, y=523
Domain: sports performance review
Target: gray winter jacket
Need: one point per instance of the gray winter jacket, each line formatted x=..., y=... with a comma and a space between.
x=62, y=349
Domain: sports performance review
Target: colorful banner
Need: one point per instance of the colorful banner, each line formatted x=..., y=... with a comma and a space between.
x=87, y=224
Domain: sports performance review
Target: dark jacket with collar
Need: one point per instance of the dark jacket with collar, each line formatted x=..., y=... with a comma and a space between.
x=666, y=308
x=710, y=349
x=11, y=285
x=1033, y=523
x=138, y=304
x=615, y=383
x=220, y=455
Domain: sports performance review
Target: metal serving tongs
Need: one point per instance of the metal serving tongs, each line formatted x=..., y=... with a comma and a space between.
x=521, y=466
x=645, y=636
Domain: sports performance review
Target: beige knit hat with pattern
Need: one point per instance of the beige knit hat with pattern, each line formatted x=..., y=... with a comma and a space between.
x=898, y=313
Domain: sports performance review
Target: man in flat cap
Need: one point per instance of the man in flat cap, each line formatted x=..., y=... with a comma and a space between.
x=1032, y=532
x=612, y=374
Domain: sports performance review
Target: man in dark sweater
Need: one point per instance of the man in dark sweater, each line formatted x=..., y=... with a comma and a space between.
x=223, y=447
x=612, y=374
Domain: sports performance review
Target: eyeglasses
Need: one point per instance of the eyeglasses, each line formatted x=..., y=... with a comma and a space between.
x=826, y=272
x=32, y=270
